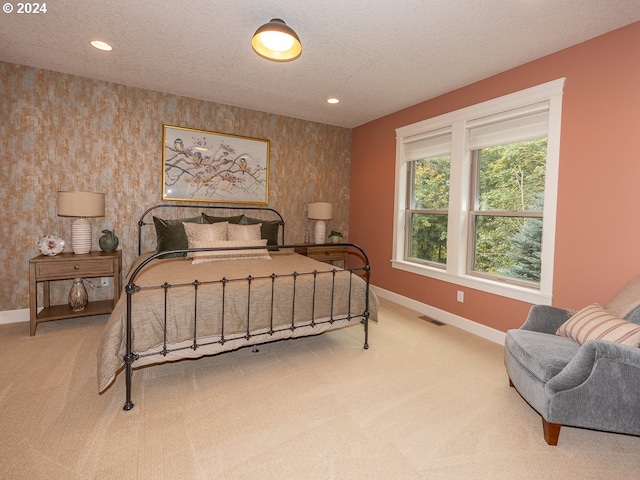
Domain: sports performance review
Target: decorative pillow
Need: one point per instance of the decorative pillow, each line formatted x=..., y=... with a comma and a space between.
x=269, y=229
x=170, y=234
x=208, y=232
x=209, y=219
x=216, y=256
x=244, y=232
x=626, y=299
x=595, y=323
x=633, y=316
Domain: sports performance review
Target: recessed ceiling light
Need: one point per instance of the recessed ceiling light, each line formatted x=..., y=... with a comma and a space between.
x=101, y=45
x=333, y=101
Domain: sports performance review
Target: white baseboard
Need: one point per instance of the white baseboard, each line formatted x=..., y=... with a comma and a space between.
x=443, y=316
x=14, y=316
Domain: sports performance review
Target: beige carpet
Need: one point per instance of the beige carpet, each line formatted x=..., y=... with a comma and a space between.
x=424, y=402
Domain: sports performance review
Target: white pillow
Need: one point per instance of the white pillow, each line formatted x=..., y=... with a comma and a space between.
x=595, y=323
x=216, y=256
x=206, y=232
x=244, y=232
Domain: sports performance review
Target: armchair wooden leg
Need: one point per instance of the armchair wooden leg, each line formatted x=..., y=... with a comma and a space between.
x=551, y=432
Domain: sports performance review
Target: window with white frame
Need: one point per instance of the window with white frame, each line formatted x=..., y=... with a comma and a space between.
x=476, y=194
x=427, y=201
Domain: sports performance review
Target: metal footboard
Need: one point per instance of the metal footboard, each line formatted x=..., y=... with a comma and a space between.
x=252, y=336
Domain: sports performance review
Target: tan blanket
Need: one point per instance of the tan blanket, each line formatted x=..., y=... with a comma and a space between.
x=262, y=309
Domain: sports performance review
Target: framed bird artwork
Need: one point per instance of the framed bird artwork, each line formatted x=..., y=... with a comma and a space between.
x=204, y=166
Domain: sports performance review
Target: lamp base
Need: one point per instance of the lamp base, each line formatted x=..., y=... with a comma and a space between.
x=320, y=231
x=81, y=236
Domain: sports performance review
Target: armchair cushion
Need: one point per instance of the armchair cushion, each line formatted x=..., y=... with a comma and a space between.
x=541, y=354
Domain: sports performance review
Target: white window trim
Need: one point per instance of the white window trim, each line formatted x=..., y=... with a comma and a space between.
x=459, y=193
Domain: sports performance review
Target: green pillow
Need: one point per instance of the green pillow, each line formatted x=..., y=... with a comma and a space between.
x=170, y=234
x=268, y=230
x=209, y=219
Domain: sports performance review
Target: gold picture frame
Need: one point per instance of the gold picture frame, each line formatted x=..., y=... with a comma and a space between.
x=205, y=166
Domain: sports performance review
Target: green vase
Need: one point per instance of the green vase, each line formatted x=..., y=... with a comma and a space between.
x=108, y=242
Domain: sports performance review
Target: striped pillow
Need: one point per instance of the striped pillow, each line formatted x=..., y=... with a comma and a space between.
x=595, y=323
x=218, y=255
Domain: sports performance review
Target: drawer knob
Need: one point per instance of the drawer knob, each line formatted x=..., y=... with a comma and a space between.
x=76, y=267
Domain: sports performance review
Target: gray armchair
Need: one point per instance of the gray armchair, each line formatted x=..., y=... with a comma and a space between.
x=595, y=385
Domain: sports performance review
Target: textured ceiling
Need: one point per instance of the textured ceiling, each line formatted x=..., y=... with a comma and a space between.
x=377, y=56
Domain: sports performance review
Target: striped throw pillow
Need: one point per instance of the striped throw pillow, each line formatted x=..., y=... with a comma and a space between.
x=595, y=323
x=218, y=255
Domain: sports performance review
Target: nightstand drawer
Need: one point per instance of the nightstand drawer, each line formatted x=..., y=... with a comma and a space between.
x=328, y=254
x=72, y=269
x=325, y=253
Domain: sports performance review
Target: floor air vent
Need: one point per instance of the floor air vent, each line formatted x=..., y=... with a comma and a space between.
x=431, y=320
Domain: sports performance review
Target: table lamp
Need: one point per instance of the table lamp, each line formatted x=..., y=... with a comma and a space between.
x=320, y=211
x=81, y=205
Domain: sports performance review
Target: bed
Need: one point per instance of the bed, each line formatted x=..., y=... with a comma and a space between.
x=211, y=286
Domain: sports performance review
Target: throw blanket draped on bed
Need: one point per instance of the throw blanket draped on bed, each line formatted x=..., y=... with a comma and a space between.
x=249, y=307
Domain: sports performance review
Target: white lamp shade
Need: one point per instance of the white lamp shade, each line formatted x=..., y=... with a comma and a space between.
x=320, y=211
x=81, y=205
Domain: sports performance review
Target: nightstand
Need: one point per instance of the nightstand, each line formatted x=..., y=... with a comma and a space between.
x=325, y=253
x=69, y=266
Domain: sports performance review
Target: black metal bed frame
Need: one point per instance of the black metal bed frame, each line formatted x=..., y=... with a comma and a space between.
x=142, y=223
x=131, y=288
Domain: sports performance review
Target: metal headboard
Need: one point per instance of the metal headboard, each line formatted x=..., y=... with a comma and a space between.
x=143, y=222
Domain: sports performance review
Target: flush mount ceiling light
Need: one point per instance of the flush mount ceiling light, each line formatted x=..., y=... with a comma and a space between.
x=100, y=45
x=276, y=41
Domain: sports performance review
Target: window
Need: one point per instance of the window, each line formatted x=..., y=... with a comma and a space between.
x=476, y=194
x=428, y=198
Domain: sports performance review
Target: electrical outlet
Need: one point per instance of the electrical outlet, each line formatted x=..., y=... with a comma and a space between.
x=460, y=296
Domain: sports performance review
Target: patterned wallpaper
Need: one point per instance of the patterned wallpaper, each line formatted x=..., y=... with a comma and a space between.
x=62, y=132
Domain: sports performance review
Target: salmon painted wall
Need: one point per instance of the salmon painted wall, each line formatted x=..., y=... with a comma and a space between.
x=598, y=226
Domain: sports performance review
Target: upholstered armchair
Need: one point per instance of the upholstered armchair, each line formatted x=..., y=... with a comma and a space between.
x=580, y=369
